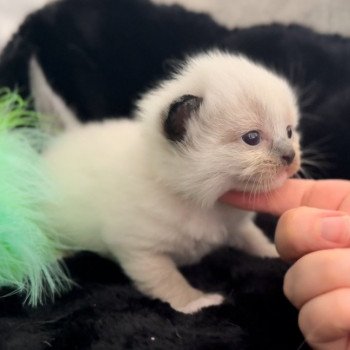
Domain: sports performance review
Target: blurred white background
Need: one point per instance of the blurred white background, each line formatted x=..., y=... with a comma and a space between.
x=12, y=13
x=330, y=16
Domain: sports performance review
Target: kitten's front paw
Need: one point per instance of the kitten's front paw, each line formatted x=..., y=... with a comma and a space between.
x=268, y=251
x=204, y=301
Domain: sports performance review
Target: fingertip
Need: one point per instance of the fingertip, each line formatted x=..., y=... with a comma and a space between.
x=303, y=230
x=336, y=229
x=315, y=274
x=292, y=234
x=325, y=320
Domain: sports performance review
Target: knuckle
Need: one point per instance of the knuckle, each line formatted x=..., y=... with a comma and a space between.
x=306, y=324
x=287, y=233
x=287, y=223
x=289, y=287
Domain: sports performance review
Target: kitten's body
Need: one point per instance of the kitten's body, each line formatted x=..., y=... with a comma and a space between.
x=114, y=205
x=145, y=192
x=106, y=174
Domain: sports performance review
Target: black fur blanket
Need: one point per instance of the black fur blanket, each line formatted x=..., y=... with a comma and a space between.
x=100, y=55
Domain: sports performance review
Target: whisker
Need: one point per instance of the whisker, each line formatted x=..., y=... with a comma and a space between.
x=252, y=193
x=322, y=158
x=247, y=182
x=315, y=162
x=304, y=174
x=308, y=94
x=311, y=116
x=322, y=142
x=258, y=186
x=301, y=345
x=316, y=155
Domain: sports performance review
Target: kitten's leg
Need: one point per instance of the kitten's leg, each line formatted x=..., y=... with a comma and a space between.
x=158, y=277
x=251, y=239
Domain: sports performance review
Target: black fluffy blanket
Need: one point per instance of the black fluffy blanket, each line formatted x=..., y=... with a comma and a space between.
x=100, y=55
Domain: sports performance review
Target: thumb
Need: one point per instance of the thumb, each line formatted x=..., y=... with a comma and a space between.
x=304, y=230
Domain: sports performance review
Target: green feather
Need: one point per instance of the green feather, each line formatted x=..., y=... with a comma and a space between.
x=14, y=111
x=28, y=257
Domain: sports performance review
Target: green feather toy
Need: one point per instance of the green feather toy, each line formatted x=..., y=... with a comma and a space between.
x=28, y=257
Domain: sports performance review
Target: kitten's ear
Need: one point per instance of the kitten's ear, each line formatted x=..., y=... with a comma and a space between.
x=180, y=111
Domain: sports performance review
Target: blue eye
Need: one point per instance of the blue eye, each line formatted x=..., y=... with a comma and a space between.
x=289, y=131
x=252, y=138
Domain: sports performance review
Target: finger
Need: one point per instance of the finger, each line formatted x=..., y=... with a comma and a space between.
x=323, y=194
x=303, y=230
x=317, y=273
x=325, y=320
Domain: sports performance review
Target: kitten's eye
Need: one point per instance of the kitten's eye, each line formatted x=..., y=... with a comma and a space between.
x=252, y=138
x=289, y=131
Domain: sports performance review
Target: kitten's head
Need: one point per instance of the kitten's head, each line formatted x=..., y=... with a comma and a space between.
x=222, y=123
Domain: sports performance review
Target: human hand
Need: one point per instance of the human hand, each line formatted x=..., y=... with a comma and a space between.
x=313, y=231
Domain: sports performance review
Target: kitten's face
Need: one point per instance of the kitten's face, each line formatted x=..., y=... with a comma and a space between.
x=233, y=128
x=258, y=138
x=249, y=146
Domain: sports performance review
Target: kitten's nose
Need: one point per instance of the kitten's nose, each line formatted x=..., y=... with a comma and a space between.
x=287, y=158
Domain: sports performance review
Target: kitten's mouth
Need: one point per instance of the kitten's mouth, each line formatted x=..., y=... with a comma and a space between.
x=263, y=185
x=267, y=183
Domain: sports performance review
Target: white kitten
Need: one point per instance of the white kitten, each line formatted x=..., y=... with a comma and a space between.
x=145, y=192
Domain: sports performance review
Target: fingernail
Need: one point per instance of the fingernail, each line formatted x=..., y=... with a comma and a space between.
x=336, y=229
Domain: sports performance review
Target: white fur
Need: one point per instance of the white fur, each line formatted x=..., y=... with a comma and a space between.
x=129, y=193
x=202, y=302
x=55, y=114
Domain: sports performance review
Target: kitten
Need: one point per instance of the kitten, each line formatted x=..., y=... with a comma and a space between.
x=146, y=192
